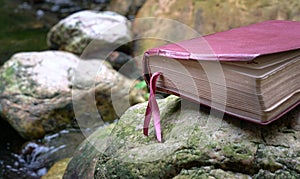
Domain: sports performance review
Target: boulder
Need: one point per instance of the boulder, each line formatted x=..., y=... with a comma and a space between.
x=83, y=163
x=206, y=17
x=125, y=8
x=191, y=148
x=124, y=64
x=40, y=91
x=75, y=32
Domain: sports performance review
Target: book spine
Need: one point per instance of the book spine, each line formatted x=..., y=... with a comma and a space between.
x=145, y=68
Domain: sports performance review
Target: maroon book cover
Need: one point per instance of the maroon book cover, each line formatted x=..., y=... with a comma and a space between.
x=238, y=44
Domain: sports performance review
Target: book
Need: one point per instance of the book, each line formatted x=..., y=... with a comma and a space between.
x=260, y=64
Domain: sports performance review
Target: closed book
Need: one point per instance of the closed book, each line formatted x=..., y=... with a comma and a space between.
x=252, y=72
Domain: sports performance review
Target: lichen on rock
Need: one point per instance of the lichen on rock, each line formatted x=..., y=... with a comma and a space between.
x=236, y=149
x=39, y=89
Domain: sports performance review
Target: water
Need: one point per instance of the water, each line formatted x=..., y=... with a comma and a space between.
x=24, y=27
x=32, y=159
x=20, y=30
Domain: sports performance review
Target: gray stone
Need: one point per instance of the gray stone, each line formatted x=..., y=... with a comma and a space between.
x=124, y=64
x=83, y=163
x=126, y=8
x=39, y=92
x=75, y=32
x=208, y=172
x=192, y=149
x=35, y=92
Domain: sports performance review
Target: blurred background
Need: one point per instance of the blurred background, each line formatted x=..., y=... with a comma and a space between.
x=24, y=26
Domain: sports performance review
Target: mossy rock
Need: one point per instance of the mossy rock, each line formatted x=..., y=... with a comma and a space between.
x=39, y=92
x=194, y=147
x=82, y=165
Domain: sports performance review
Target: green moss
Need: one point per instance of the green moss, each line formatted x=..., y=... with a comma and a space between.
x=237, y=151
x=12, y=80
x=264, y=174
x=193, y=173
x=7, y=77
x=9, y=72
x=199, y=155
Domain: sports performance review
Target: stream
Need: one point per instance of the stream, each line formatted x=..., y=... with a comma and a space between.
x=24, y=27
x=32, y=159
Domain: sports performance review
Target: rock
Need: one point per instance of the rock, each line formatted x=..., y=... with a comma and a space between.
x=107, y=30
x=209, y=172
x=191, y=149
x=57, y=170
x=35, y=92
x=118, y=59
x=125, y=8
x=206, y=17
x=66, y=7
x=124, y=64
x=83, y=163
x=40, y=89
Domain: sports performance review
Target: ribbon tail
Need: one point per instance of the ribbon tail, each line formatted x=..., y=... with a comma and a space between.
x=152, y=107
x=147, y=119
x=156, y=119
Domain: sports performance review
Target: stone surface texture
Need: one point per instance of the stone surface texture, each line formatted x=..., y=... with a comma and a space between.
x=195, y=147
x=39, y=92
x=125, y=8
x=75, y=32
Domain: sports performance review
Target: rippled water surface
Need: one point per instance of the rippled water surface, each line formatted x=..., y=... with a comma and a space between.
x=32, y=159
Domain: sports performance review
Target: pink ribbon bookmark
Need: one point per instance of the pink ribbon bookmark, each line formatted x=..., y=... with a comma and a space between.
x=152, y=108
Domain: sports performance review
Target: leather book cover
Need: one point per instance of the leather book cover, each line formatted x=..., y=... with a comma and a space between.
x=238, y=44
